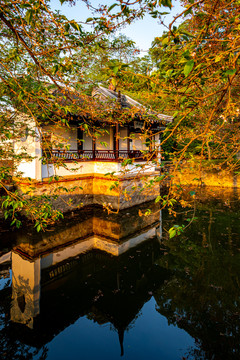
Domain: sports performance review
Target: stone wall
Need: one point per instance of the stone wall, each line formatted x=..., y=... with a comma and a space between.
x=210, y=175
x=75, y=191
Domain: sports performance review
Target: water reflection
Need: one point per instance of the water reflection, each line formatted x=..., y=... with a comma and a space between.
x=34, y=263
x=203, y=296
x=105, y=269
x=80, y=267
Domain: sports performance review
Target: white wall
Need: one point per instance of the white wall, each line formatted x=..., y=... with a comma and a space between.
x=138, y=142
x=71, y=168
x=63, y=135
x=87, y=144
x=30, y=144
x=95, y=167
x=122, y=142
x=146, y=168
x=106, y=137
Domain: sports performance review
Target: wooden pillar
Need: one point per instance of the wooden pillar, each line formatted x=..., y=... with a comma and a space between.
x=79, y=137
x=128, y=140
x=117, y=141
x=94, y=148
x=159, y=151
x=151, y=138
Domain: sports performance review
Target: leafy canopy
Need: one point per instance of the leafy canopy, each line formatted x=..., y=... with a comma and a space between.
x=191, y=72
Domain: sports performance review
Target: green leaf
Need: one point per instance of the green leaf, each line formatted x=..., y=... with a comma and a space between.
x=172, y=232
x=18, y=224
x=13, y=222
x=189, y=11
x=115, y=70
x=114, y=82
x=126, y=162
x=218, y=58
x=230, y=72
x=55, y=69
x=159, y=178
x=184, y=32
x=165, y=41
x=76, y=26
x=154, y=14
x=67, y=27
x=112, y=6
x=104, y=143
x=28, y=17
x=15, y=206
x=167, y=3
x=9, y=135
x=188, y=67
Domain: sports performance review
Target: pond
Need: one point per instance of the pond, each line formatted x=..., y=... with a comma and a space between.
x=99, y=286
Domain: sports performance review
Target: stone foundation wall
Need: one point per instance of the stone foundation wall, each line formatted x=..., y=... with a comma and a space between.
x=210, y=175
x=76, y=191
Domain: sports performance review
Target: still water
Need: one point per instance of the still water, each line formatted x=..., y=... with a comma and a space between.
x=101, y=286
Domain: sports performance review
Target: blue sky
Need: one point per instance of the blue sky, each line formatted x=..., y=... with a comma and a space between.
x=142, y=31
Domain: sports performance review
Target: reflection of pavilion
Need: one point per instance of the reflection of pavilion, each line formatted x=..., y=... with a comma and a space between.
x=202, y=300
x=84, y=268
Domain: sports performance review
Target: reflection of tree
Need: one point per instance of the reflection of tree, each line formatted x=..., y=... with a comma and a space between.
x=121, y=301
x=203, y=295
x=195, y=284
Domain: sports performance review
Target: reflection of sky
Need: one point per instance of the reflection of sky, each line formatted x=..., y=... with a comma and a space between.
x=142, y=31
x=5, y=281
x=150, y=337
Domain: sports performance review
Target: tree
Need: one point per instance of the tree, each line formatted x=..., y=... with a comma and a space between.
x=102, y=60
x=195, y=74
x=39, y=51
x=196, y=78
x=201, y=66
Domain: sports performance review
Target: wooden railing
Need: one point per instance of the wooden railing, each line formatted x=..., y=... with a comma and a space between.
x=96, y=155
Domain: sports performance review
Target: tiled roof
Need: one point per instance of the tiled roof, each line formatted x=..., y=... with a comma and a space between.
x=128, y=102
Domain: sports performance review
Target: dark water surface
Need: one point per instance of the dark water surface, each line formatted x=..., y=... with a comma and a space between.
x=101, y=286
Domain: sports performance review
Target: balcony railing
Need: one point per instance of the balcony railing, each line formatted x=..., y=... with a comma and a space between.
x=97, y=155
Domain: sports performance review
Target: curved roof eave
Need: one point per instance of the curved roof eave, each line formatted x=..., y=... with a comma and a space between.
x=127, y=101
